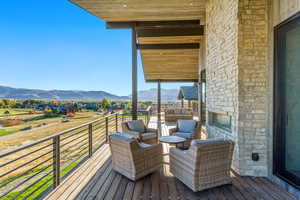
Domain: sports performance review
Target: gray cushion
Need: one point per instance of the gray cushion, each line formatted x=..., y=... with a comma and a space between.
x=122, y=136
x=186, y=126
x=183, y=135
x=136, y=125
x=144, y=145
x=209, y=141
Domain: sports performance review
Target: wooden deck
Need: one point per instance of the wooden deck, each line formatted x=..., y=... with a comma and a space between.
x=96, y=180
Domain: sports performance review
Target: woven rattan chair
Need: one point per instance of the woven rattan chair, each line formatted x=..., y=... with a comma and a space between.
x=133, y=159
x=188, y=129
x=205, y=165
x=137, y=129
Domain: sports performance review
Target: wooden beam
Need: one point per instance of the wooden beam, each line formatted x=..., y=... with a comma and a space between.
x=157, y=24
x=172, y=80
x=169, y=46
x=120, y=25
x=149, y=24
x=159, y=107
x=195, y=30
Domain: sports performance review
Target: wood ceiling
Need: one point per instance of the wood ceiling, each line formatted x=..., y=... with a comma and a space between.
x=144, y=10
x=170, y=53
x=168, y=33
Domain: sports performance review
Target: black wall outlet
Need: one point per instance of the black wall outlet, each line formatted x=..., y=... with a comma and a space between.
x=255, y=156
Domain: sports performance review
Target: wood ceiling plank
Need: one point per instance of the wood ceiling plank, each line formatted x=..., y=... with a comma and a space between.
x=169, y=46
x=144, y=10
x=170, y=31
x=169, y=40
x=171, y=64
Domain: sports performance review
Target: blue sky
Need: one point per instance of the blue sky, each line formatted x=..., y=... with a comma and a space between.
x=53, y=44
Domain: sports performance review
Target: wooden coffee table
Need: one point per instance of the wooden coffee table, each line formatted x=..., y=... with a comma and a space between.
x=172, y=140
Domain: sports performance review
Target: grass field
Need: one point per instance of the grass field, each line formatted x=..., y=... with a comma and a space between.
x=40, y=127
x=14, y=111
x=35, y=190
x=4, y=132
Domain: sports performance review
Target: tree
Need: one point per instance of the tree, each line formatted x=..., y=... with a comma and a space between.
x=6, y=103
x=105, y=103
x=48, y=111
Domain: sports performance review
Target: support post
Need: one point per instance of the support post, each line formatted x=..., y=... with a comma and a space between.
x=90, y=140
x=116, y=122
x=134, y=74
x=159, y=108
x=106, y=129
x=182, y=103
x=56, y=161
x=189, y=103
x=200, y=107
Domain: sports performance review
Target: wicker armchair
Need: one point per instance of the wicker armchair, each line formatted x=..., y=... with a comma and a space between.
x=205, y=165
x=188, y=129
x=137, y=129
x=133, y=159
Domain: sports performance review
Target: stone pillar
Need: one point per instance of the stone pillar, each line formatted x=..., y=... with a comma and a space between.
x=236, y=69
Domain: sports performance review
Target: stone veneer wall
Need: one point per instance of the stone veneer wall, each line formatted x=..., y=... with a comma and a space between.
x=222, y=67
x=253, y=92
x=236, y=67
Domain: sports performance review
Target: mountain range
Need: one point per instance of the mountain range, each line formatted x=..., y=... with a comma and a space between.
x=77, y=95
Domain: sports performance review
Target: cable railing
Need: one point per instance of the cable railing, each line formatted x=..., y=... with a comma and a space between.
x=31, y=171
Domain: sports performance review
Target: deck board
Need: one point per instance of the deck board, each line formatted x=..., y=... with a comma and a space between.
x=96, y=179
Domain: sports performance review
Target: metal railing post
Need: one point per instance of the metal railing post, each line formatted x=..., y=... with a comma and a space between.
x=117, y=122
x=148, y=117
x=56, y=161
x=106, y=128
x=90, y=140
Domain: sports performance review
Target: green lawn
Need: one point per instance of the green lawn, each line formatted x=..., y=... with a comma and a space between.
x=34, y=191
x=4, y=131
x=14, y=111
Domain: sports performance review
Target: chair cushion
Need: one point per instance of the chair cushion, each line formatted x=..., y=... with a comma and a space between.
x=186, y=126
x=148, y=135
x=183, y=135
x=136, y=125
x=144, y=145
x=122, y=136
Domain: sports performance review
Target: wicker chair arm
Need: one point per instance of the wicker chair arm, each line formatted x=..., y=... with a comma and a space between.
x=151, y=130
x=172, y=130
x=178, y=154
x=155, y=149
x=135, y=134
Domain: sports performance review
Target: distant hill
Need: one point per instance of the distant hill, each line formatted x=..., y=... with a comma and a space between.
x=74, y=95
x=151, y=95
x=60, y=95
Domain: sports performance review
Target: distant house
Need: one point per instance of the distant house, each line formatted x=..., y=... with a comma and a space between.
x=189, y=94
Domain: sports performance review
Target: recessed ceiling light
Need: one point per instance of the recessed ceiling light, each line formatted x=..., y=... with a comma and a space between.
x=125, y=6
x=191, y=4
